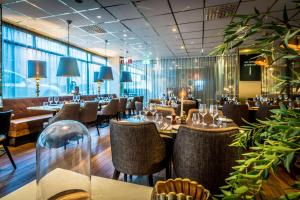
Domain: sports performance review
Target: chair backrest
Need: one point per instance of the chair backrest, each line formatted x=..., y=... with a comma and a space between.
x=264, y=112
x=187, y=105
x=165, y=111
x=138, y=106
x=88, y=113
x=204, y=156
x=122, y=104
x=69, y=111
x=5, y=118
x=156, y=101
x=111, y=108
x=136, y=148
x=236, y=112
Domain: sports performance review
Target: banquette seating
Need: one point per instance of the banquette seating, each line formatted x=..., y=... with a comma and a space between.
x=25, y=122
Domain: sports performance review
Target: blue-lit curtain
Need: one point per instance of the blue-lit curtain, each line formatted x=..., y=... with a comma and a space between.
x=206, y=78
x=19, y=46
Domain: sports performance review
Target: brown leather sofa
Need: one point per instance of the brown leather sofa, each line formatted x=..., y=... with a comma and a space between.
x=25, y=122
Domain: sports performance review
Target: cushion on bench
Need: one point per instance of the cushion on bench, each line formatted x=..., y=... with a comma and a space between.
x=27, y=125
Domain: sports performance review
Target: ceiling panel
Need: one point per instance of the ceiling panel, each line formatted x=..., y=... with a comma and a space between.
x=13, y=16
x=99, y=15
x=193, y=46
x=27, y=9
x=77, y=19
x=214, y=24
x=218, y=2
x=137, y=24
x=124, y=12
x=192, y=35
x=213, y=32
x=154, y=7
x=86, y=5
x=213, y=39
x=193, y=41
x=189, y=16
x=166, y=30
x=211, y=45
x=190, y=27
x=113, y=2
x=54, y=7
x=162, y=20
x=182, y=5
x=146, y=32
x=114, y=27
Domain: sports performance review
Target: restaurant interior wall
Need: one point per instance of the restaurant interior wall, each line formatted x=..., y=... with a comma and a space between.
x=114, y=85
x=21, y=45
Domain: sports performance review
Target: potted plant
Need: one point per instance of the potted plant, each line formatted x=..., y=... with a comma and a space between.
x=275, y=143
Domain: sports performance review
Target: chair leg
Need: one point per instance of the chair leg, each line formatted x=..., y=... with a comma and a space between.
x=125, y=177
x=130, y=177
x=97, y=125
x=150, y=180
x=116, y=174
x=9, y=156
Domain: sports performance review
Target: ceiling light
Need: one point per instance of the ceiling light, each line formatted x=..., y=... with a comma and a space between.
x=182, y=47
x=202, y=50
x=140, y=46
x=99, y=17
x=124, y=35
x=174, y=30
x=176, y=36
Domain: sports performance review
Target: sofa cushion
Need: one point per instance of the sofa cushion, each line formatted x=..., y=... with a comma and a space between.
x=27, y=125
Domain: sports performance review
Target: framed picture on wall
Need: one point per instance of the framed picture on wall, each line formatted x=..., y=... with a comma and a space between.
x=249, y=71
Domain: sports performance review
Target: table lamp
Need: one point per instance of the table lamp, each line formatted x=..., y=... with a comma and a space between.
x=98, y=81
x=37, y=70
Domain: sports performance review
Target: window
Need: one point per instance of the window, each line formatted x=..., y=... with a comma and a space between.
x=19, y=46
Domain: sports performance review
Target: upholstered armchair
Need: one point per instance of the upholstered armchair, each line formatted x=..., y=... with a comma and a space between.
x=69, y=111
x=131, y=104
x=264, y=112
x=236, y=112
x=110, y=110
x=122, y=106
x=88, y=114
x=187, y=105
x=165, y=111
x=137, y=149
x=207, y=117
x=138, y=106
x=204, y=156
x=156, y=101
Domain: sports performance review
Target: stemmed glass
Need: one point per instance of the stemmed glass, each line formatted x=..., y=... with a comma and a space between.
x=159, y=118
x=50, y=100
x=195, y=118
x=213, y=111
x=56, y=99
x=74, y=98
x=77, y=98
x=203, y=112
x=152, y=108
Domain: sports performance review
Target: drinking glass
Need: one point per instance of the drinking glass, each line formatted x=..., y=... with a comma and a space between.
x=56, y=99
x=45, y=103
x=159, y=118
x=78, y=98
x=152, y=109
x=195, y=118
x=213, y=111
x=203, y=112
x=74, y=98
x=50, y=100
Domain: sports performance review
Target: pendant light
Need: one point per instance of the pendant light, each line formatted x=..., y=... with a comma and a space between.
x=105, y=71
x=68, y=66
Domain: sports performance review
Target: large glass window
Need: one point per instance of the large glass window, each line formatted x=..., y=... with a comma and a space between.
x=19, y=46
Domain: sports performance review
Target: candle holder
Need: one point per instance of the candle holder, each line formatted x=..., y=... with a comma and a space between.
x=183, y=118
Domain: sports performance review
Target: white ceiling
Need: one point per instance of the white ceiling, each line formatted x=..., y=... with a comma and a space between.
x=157, y=28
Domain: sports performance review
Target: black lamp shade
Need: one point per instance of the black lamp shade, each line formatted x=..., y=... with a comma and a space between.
x=125, y=77
x=105, y=73
x=96, y=75
x=68, y=67
x=37, y=69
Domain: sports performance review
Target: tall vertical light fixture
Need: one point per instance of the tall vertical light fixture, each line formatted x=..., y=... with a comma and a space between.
x=37, y=70
x=105, y=72
x=68, y=66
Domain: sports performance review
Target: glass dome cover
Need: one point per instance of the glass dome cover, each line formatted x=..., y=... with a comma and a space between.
x=63, y=162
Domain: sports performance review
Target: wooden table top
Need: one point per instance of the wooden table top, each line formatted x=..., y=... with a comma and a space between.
x=101, y=188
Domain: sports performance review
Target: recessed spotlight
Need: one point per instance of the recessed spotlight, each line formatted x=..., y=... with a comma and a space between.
x=182, y=47
x=124, y=35
x=99, y=17
x=174, y=30
x=202, y=50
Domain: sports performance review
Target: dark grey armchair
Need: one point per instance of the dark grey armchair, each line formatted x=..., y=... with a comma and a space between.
x=88, y=114
x=137, y=149
x=69, y=111
x=204, y=156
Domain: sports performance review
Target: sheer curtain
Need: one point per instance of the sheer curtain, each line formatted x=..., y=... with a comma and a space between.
x=19, y=46
x=205, y=77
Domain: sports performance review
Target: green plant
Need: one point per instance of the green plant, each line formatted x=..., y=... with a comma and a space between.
x=270, y=144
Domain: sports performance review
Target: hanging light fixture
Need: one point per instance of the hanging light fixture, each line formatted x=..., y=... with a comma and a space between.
x=105, y=71
x=68, y=66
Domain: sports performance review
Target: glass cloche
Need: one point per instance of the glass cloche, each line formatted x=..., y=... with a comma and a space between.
x=63, y=162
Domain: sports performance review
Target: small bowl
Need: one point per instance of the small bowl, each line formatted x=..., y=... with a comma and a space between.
x=179, y=189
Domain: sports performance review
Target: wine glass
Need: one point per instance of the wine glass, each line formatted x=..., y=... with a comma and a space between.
x=78, y=98
x=56, y=99
x=159, y=118
x=203, y=112
x=152, y=109
x=195, y=118
x=74, y=98
x=213, y=111
x=50, y=100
